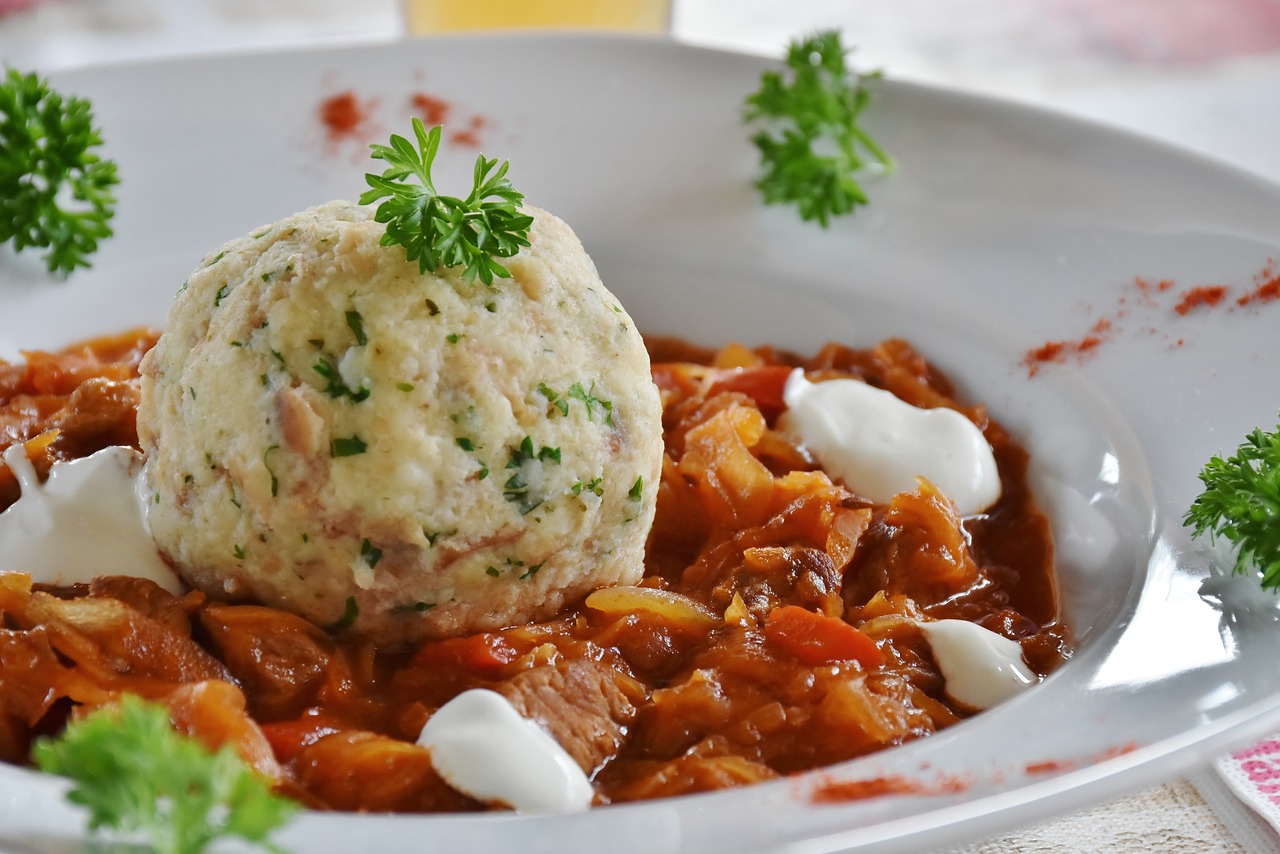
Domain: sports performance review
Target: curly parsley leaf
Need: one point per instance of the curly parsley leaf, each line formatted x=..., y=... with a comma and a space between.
x=444, y=231
x=812, y=147
x=55, y=191
x=1241, y=503
x=133, y=772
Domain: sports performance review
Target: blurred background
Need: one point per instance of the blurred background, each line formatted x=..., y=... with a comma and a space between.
x=1204, y=74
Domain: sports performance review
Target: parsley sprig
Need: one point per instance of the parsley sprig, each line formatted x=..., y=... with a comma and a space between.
x=445, y=231
x=55, y=191
x=134, y=772
x=812, y=148
x=1241, y=502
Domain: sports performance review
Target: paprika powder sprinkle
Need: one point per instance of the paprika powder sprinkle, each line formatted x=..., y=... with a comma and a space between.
x=347, y=115
x=432, y=110
x=1050, y=766
x=1146, y=286
x=844, y=791
x=1266, y=286
x=1205, y=295
x=1145, y=296
x=471, y=135
x=343, y=114
x=1058, y=352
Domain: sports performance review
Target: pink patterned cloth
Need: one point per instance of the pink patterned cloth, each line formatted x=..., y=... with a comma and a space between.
x=1253, y=774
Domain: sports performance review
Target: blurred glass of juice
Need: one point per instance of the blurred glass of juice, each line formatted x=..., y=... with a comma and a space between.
x=435, y=16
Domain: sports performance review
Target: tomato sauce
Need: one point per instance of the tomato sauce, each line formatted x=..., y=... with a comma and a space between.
x=775, y=631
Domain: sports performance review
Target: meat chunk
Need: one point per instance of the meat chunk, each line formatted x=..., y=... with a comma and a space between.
x=581, y=704
x=148, y=599
x=283, y=661
x=100, y=412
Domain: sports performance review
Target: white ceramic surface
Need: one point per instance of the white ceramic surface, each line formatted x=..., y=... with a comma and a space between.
x=1001, y=229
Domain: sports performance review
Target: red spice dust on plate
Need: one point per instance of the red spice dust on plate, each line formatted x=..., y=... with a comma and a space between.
x=1050, y=766
x=1058, y=766
x=348, y=115
x=437, y=111
x=344, y=114
x=832, y=791
x=1205, y=295
x=1060, y=351
x=432, y=110
x=471, y=135
x=1145, y=303
x=1266, y=287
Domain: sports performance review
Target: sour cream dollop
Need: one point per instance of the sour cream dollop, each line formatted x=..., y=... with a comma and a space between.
x=981, y=668
x=87, y=519
x=878, y=444
x=484, y=748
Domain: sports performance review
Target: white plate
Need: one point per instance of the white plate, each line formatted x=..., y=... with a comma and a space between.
x=1002, y=228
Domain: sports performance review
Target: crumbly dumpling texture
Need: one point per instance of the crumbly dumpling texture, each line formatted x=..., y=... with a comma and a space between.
x=393, y=454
